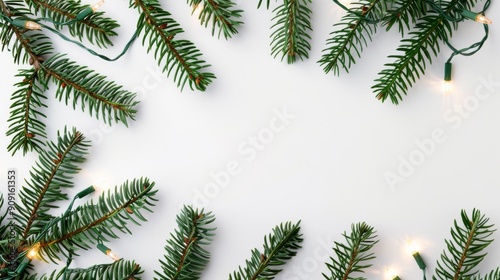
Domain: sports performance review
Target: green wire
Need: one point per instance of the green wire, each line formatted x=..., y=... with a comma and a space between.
x=474, y=48
x=127, y=46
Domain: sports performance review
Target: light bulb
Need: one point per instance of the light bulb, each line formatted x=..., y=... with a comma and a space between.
x=476, y=17
x=447, y=87
x=390, y=274
x=112, y=255
x=482, y=19
x=33, y=252
x=97, y=5
x=28, y=24
x=412, y=248
x=32, y=25
x=103, y=248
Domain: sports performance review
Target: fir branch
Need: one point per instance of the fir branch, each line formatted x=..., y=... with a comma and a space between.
x=353, y=255
x=292, y=24
x=179, y=58
x=103, y=98
x=29, y=45
x=352, y=36
x=221, y=15
x=465, y=249
x=125, y=270
x=92, y=221
x=411, y=63
x=53, y=173
x=97, y=28
x=279, y=246
x=186, y=257
x=26, y=128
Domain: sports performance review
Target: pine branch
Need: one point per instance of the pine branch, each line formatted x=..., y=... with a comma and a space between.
x=292, y=24
x=126, y=270
x=53, y=172
x=279, y=246
x=92, y=221
x=103, y=98
x=221, y=15
x=29, y=45
x=465, y=249
x=97, y=28
x=179, y=58
x=353, y=255
x=186, y=257
x=411, y=63
x=352, y=36
x=26, y=128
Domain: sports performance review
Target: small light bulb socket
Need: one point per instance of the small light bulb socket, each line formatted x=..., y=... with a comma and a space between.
x=447, y=71
x=419, y=260
x=85, y=13
x=469, y=15
x=103, y=248
x=22, y=23
x=22, y=266
x=85, y=192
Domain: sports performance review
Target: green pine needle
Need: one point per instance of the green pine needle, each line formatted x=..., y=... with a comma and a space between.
x=186, y=256
x=50, y=177
x=465, y=249
x=78, y=84
x=292, y=24
x=279, y=247
x=97, y=28
x=220, y=14
x=354, y=255
x=353, y=34
x=177, y=57
x=25, y=123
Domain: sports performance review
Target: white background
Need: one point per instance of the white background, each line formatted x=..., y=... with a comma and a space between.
x=326, y=167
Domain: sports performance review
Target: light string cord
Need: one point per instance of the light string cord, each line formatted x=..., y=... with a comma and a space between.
x=125, y=49
x=475, y=47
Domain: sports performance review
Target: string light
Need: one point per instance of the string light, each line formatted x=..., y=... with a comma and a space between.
x=103, y=248
x=476, y=17
x=416, y=255
x=28, y=24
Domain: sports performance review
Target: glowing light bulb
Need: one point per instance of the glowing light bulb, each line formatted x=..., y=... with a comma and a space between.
x=97, y=5
x=447, y=87
x=112, y=255
x=390, y=274
x=33, y=252
x=412, y=248
x=482, y=19
x=103, y=248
